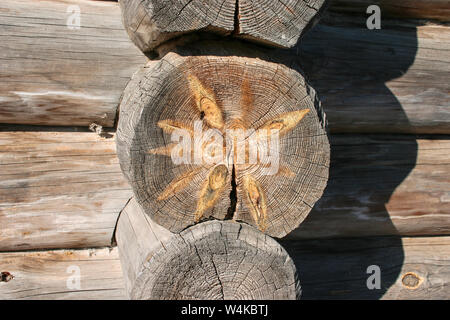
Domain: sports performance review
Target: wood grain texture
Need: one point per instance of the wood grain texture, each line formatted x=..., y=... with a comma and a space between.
x=417, y=9
x=212, y=260
x=329, y=269
x=137, y=238
x=53, y=75
x=66, y=190
x=150, y=23
x=392, y=80
x=242, y=94
x=383, y=185
x=337, y=269
x=58, y=190
x=43, y=275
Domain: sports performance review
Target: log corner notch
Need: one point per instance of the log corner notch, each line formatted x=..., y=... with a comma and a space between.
x=150, y=23
x=186, y=130
x=222, y=146
x=215, y=260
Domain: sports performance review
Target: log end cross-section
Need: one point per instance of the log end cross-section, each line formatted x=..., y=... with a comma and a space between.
x=280, y=23
x=223, y=137
x=215, y=260
x=219, y=260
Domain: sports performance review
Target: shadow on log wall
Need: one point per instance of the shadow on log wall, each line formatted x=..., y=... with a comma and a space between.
x=331, y=75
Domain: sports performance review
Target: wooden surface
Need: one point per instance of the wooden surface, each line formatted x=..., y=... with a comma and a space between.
x=58, y=190
x=337, y=269
x=389, y=81
x=65, y=189
x=429, y=9
x=138, y=238
x=212, y=260
x=329, y=269
x=275, y=194
x=392, y=80
x=150, y=23
x=43, y=275
x=52, y=75
x=383, y=185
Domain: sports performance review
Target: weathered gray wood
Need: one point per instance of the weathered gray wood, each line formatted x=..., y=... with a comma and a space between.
x=65, y=189
x=410, y=268
x=419, y=9
x=329, y=269
x=45, y=275
x=53, y=75
x=383, y=185
x=58, y=190
x=138, y=238
x=243, y=93
x=392, y=80
x=150, y=23
x=212, y=260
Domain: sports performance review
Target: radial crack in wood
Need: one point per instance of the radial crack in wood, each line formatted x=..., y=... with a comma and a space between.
x=150, y=23
x=177, y=184
x=256, y=201
x=211, y=190
x=211, y=260
x=285, y=122
x=206, y=103
x=169, y=126
x=263, y=121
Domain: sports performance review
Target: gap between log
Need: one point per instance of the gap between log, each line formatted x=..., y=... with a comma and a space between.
x=233, y=196
x=237, y=25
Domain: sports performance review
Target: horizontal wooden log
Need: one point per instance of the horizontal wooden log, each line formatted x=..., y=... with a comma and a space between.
x=91, y=274
x=214, y=260
x=59, y=190
x=392, y=80
x=418, y=9
x=329, y=269
x=383, y=185
x=409, y=268
x=53, y=74
x=65, y=189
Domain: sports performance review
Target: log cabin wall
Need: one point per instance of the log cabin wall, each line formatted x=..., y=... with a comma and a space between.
x=386, y=96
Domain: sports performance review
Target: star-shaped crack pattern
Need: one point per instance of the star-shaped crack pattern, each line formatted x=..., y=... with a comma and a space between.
x=218, y=172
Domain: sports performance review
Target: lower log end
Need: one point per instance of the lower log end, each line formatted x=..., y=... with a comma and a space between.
x=212, y=260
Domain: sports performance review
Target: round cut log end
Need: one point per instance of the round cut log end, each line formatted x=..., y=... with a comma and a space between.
x=218, y=260
x=223, y=137
x=150, y=23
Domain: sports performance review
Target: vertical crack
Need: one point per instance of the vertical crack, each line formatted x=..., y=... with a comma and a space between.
x=237, y=18
x=233, y=196
x=218, y=277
